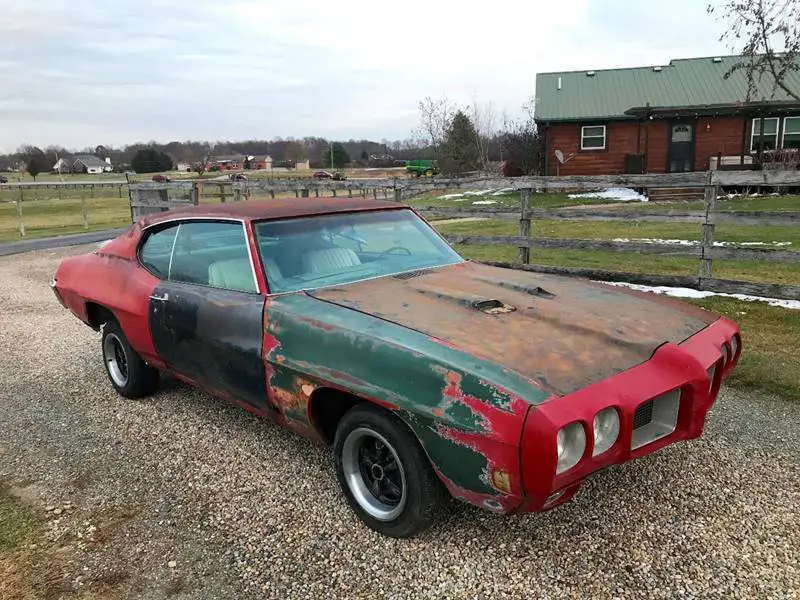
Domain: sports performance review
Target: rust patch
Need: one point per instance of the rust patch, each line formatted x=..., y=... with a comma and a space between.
x=574, y=334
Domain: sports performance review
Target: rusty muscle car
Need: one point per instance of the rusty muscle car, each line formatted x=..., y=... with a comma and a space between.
x=355, y=324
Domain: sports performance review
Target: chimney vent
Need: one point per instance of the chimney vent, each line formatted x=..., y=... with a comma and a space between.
x=559, y=82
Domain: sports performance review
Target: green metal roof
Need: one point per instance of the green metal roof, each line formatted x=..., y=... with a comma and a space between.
x=690, y=82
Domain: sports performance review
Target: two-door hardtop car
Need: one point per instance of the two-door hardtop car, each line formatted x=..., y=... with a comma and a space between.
x=354, y=323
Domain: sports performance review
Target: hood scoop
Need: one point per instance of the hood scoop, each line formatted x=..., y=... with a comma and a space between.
x=490, y=306
x=531, y=290
x=493, y=307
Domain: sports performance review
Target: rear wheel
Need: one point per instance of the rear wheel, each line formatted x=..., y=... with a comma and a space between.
x=415, y=173
x=384, y=474
x=129, y=374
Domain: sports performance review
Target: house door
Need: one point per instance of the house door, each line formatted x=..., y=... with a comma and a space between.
x=681, y=147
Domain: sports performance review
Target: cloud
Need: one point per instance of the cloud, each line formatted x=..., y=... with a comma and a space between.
x=133, y=70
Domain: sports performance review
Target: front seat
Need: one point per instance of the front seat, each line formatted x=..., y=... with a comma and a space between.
x=329, y=259
x=234, y=274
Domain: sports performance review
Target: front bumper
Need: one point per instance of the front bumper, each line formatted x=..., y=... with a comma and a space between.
x=695, y=368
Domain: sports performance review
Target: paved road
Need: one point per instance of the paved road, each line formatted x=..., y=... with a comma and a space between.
x=182, y=495
x=60, y=241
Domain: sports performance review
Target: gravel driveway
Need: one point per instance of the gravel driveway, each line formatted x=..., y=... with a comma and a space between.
x=184, y=496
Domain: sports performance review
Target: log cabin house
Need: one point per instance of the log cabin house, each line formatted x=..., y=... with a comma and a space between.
x=684, y=116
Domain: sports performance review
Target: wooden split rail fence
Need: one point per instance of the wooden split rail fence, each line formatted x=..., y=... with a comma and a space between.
x=706, y=251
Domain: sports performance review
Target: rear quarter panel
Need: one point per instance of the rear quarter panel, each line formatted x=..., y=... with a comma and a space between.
x=115, y=281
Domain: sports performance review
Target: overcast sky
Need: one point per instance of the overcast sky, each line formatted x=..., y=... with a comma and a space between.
x=121, y=71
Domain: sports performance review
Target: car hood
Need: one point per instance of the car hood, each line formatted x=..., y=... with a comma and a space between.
x=559, y=332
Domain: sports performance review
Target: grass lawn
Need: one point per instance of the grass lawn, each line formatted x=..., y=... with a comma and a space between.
x=48, y=217
x=770, y=359
x=609, y=230
x=560, y=200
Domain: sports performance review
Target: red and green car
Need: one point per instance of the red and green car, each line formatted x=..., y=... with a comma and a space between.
x=353, y=323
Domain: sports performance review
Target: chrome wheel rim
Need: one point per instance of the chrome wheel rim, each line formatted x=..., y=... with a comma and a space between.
x=374, y=474
x=116, y=359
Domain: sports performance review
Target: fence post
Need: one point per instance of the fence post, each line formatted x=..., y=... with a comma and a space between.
x=375, y=193
x=84, y=212
x=222, y=193
x=334, y=192
x=272, y=193
x=237, y=194
x=525, y=225
x=19, y=215
x=304, y=193
x=398, y=194
x=194, y=194
x=707, y=242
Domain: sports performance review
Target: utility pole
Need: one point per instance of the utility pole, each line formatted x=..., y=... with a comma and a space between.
x=331, y=155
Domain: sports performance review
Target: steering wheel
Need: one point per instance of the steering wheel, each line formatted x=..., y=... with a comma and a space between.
x=405, y=250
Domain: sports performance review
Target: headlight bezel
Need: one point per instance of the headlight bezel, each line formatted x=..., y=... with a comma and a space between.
x=605, y=442
x=571, y=442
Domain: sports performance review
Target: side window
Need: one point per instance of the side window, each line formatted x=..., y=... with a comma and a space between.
x=213, y=254
x=156, y=251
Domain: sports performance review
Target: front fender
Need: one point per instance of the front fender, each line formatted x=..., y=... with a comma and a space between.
x=468, y=413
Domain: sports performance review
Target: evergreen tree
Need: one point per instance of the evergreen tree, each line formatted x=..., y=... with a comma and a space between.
x=460, y=152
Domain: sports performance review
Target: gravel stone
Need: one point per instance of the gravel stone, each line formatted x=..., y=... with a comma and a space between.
x=250, y=510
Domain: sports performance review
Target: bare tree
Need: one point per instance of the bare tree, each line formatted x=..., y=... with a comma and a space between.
x=435, y=118
x=201, y=166
x=483, y=118
x=767, y=33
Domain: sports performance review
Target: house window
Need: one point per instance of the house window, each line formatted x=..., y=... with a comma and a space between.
x=791, y=132
x=593, y=137
x=770, y=138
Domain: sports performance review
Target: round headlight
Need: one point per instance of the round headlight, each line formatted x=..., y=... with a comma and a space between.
x=606, y=430
x=570, y=444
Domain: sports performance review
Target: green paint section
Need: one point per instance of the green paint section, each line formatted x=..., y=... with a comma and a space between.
x=695, y=82
x=375, y=359
x=389, y=361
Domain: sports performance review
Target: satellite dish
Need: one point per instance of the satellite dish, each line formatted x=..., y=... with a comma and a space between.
x=559, y=156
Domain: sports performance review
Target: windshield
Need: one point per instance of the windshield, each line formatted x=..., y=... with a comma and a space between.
x=315, y=252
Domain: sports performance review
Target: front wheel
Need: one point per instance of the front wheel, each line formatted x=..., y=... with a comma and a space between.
x=129, y=374
x=384, y=474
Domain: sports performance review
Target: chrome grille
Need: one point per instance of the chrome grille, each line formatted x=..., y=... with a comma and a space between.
x=643, y=414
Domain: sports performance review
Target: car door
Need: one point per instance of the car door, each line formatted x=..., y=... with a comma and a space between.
x=206, y=314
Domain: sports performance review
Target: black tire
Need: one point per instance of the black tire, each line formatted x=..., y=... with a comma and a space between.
x=361, y=430
x=128, y=373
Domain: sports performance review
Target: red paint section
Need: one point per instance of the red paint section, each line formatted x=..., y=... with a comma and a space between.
x=497, y=442
x=672, y=367
x=497, y=503
x=113, y=279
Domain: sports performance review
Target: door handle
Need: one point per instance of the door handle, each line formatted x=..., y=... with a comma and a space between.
x=161, y=298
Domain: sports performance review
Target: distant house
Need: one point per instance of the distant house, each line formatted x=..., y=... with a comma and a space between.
x=228, y=162
x=684, y=116
x=88, y=163
x=62, y=166
x=260, y=162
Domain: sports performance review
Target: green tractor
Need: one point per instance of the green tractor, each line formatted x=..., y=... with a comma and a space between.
x=422, y=168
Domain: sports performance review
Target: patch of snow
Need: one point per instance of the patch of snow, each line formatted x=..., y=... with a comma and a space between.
x=477, y=192
x=619, y=194
x=485, y=202
x=503, y=192
x=451, y=196
x=679, y=292
x=697, y=243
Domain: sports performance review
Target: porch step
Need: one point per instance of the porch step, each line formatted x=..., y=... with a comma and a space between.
x=675, y=194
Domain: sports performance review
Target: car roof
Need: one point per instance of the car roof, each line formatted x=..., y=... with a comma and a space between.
x=253, y=210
